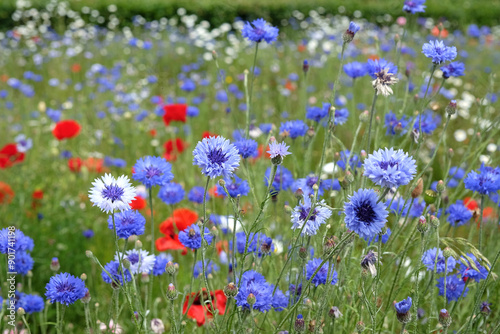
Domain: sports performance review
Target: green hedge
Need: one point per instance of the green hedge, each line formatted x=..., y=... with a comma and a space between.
x=458, y=12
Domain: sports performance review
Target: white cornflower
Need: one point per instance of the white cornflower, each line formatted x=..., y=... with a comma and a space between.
x=140, y=260
x=111, y=194
x=383, y=81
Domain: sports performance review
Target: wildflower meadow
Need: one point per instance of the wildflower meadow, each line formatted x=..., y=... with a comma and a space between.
x=315, y=174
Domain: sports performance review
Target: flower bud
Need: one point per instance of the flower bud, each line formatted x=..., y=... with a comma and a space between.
x=451, y=153
x=144, y=277
x=430, y=196
x=170, y=268
x=21, y=311
x=419, y=188
x=157, y=326
x=422, y=225
x=222, y=183
x=86, y=298
x=349, y=176
x=398, y=129
x=251, y=299
x=434, y=221
x=138, y=244
x=300, y=324
x=448, y=252
x=303, y=253
x=334, y=312
x=440, y=187
x=214, y=54
x=444, y=318
x=299, y=193
x=364, y=116
x=305, y=66
x=54, y=264
x=171, y=292
x=89, y=254
x=451, y=108
x=230, y=290
x=83, y=277
x=360, y=327
x=329, y=244
x=126, y=263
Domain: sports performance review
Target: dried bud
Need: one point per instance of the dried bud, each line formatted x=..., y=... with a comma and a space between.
x=230, y=290
x=440, y=187
x=444, y=318
x=157, y=326
x=171, y=292
x=415, y=135
x=422, y=225
x=485, y=309
x=368, y=262
x=451, y=108
x=417, y=191
x=329, y=244
x=300, y=324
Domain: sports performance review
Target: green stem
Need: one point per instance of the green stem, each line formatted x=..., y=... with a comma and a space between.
x=372, y=112
x=249, y=96
x=481, y=224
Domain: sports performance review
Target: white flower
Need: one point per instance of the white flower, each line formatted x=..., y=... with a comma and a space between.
x=140, y=260
x=111, y=194
x=383, y=82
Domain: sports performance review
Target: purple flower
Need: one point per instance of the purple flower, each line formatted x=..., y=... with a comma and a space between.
x=65, y=289
x=247, y=148
x=390, y=168
x=438, y=52
x=195, y=195
x=283, y=179
x=429, y=260
x=235, y=186
x=403, y=306
x=315, y=219
x=191, y=237
x=467, y=271
x=278, y=151
x=458, y=214
x=364, y=215
x=127, y=223
x=153, y=171
x=216, y=156
x=414, y=6
x=391, y=122
x=454, y=287
x=260, y=30
x=485, y=182
x=453, y=69
x=322, y=274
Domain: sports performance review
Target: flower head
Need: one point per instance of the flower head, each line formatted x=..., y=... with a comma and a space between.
x=113, y=268
x=355, y=69
x=377, y=66
x=195, y=195
x=111, y=194
x=317, y=113
x=485, y=182
x=389, y=168
x=293, y=129
x=454, y=287
x=403, y=306
x=65, y=289
x=191, y=237
x=349, y=34
x=278, y=151
x=414, y=6
x=210, y=267
x=140, y=260
x=66, y=129
x=23, y=144
x=467, y=271
x=216, y=156
x=254, y=283
x=152, y=171
x=171, y=193
x=30, y=303
x=127, y=223
x=319, y=215
x=383, y=82
x=235, y=186
x=260, y=30
x=283, y=179
x=438, y=52
x=22, y=242
x=429, y=260
x=364, y=215
x=458, y=214
x=453, y=69
x=322, y=275
x=247, y=148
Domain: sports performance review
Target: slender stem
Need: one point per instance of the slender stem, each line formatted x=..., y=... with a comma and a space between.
x=173, y=316
x=249, y=96
x=372, y=112
x=191, y=300
x=26, y=324
x=87, y=318
x=481, y=224
x=151, y=277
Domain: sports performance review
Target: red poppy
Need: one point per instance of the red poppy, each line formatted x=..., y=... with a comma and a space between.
x=75, y=68
x=138, y=203
x=174, y=112
x=152, y=133
x=173, y=147
x=95, y=165
x=443, y=33
x=6, y=193
x=301, y=48
x=208, y=134
x=197, y=310
x=37, y=194
x=75, y=164
x=180, y=220
x=470, y=203
x=213, y=192
x=66, y=129
x=222, y=246
x=9, y=155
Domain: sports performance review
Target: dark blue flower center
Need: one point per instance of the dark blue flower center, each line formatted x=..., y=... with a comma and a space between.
x=133, y=258
x=112, y=192
x=65, y=287
x=217, y=156
x=304, y=213
x=365, y=213
x=311, y=181
x=386, y=164
x=127, y=221
x=152, y=171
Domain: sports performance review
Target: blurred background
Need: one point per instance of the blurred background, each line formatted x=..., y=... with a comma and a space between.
x=457, y=12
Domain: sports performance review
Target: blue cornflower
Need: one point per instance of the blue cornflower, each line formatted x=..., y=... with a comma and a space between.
x=22, y=243
x=453, y=69
x=278, y=151
x=247, y=148
x=31, y=303
x=414, y=6
x=282, y=181
x=458, y=214
x=349, y=34
x=473, y=31
x=485, y=182
x=341, y=116
x=171, y=193
x=24, y=263
x=438, y=52
x=377, y=66
x=403, y=306
x=398, y=206
x=192, y=111
x=279, y=301
x=216, y=156
x=153, y=171
x=293, y=129
x=259, y=30
x=317, y=217
x=364, y=215
x=428, y=122
x=161, y=263
x=385, y=237
x=322, y=274
x=454, y=288
x=316, y=113
x=89, y=233
x=195, y=195
x=456, y=174
x=235, y=186
x=128, y=223
x=188, y=85
x=429, y=260
x=191, y=237
x=23, y=144
x=354, y=161
x=306, y=185
x=111, y=194
x=467, y=271
x=254, y=283
x=113, y=268
x=355, y=69
x=257, y=242
x=391, y=121
x=65, y=289
x=210, y=267
x=389, y=168
x=266, y=127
